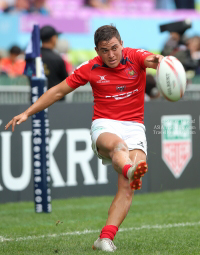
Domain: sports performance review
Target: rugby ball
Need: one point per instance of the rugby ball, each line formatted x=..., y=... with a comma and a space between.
x=171, y=78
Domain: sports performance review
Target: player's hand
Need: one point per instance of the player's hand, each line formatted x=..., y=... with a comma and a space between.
x=17, y=120
x=154, y=58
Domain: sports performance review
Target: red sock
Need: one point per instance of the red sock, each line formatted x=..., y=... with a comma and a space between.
x=125, y=170
x=109, y=231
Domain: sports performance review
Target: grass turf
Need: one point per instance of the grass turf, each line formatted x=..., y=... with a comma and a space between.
x=20, y=220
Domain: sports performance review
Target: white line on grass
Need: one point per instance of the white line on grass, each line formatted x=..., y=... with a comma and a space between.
x=75, y=233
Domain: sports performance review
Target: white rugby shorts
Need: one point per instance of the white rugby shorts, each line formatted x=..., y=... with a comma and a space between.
x=132, y=133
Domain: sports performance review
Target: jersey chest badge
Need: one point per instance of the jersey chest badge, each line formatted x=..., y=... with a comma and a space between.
x=132, y=74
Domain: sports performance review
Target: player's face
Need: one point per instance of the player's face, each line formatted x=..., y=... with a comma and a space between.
x=110, y=52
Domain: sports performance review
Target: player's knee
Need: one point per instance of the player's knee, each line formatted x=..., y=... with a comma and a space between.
x=119, y=147
x=126, y=191
x=127, y=198
x=129, y=194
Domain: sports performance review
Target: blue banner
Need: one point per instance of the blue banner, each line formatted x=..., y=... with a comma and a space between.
x=40, y=131
x=32, y=51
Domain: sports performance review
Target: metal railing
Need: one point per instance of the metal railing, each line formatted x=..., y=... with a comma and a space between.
x=11, y=94
x=14, y=94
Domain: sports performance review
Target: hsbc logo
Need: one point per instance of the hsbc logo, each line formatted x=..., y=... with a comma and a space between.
x=102, y=79
x=123, y=95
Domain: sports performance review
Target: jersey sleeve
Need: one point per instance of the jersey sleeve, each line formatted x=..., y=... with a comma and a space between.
x=140, y=55
x=80, y=76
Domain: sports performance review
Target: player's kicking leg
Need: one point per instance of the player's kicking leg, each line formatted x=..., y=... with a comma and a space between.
x=133, y=166
x=116, y=214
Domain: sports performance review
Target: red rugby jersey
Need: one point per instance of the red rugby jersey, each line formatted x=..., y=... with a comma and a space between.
x=118, y=92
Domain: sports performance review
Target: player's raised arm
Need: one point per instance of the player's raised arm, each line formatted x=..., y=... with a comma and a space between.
x=48, y=98
x=153, y=60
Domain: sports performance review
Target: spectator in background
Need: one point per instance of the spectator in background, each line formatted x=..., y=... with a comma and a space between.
x=99, y=4
x=22, y=6
x=26, y=6
x=6, y=3
x=184, y=4
x=164, y=4
x=178, y=4
x=38, y=6
x=62, y=47
x=176, y=46
x=13, y=65
x=193, y=44
x=151, y=90
x=54, y=66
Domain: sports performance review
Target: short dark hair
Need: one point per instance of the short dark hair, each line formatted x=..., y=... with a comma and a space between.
x=15, y=50
x=47, y=32
x=106, y=33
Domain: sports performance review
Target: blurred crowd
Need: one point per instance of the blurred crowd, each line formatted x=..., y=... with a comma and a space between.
x=24, y=6
x=12, y=62
x=186, y=49
x=46, y=7
x=54, y=52
x=178, y=4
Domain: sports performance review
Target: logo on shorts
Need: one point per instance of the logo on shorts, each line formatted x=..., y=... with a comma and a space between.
x=102, y=79
x=121, y=88
x=141, y=144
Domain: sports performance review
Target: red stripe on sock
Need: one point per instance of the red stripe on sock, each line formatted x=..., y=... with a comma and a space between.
x=125, y=170
x=109, y=231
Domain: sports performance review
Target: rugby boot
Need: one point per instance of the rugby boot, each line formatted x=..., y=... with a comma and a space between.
x=135, y=173
x=104, y=244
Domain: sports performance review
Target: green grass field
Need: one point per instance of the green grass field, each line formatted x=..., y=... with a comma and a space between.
x=158, y=224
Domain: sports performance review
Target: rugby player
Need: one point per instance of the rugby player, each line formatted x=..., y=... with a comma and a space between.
x=118, y=78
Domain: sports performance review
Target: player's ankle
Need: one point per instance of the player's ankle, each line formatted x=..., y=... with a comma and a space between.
x=125, y=170
x=109, y=231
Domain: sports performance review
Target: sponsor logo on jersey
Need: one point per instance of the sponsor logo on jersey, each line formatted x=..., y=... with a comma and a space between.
x=131, y=73
x=102, y=79
x=176, y=142
x=121, y=88
x=123, y=95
